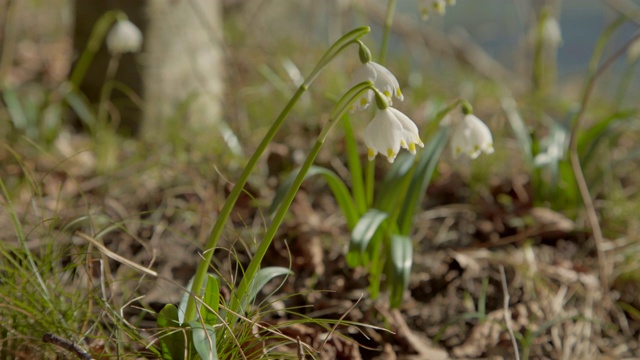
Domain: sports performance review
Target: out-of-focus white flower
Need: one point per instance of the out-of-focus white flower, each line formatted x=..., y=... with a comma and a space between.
x=382, y=80
x=439, y=6
x=389, y=131
x=471, y=137
x=551, y=33
x=124, y=37
x=633, y=52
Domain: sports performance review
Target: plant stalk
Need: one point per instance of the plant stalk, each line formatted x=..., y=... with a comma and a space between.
x=216, y=232
x=341, y=107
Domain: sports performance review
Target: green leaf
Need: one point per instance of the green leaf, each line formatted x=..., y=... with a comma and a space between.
x=387, y=197
x=82, y=107
x=518, y=126
x=208, y=291
x=17, y=115
x=337, y=186
x=362, y=234
x=589, y=139
x=567, y=188
x=401, y=262
x=375, y=258
x=172, y=344
x=184, y=300
x=552, y=149
x=421, y=178
x=211, y=300
x=263, y=276
x=204, y=340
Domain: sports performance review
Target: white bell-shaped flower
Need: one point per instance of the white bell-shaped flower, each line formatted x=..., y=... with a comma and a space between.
x=471, y=137
x=382, y=80
x=551, y=32
x=633, y=51
x=124, y=37
x=389, y=131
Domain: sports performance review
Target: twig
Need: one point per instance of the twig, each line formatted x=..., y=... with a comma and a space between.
x=574, y=158
x=301, y=355
x=507, y=312
x=115, y=256
x=66, y=344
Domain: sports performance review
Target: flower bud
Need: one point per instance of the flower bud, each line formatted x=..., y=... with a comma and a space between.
x=364, y=53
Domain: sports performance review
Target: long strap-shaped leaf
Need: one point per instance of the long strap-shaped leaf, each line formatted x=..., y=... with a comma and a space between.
x=387, y=197
x=401, y=262
x=421, y=179
x=337, y=186
x=362, y=234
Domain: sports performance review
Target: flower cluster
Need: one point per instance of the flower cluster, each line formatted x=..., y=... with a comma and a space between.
x=390, y=129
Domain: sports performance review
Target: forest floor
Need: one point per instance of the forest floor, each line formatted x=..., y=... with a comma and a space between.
x=487, y=269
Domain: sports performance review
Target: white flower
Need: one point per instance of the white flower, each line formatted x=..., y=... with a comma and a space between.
x=633, y=51
x=440, y=6
x=124, y=37
x=471, y=137
x=382, y=80
x=389, y=131
x=551, y=32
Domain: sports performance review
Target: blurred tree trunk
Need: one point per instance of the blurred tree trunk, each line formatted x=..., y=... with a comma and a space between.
x=179, y=73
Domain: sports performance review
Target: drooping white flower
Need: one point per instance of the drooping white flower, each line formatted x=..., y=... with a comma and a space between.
x=382, y=80
x=633, y=51
x=551, y=33
x=124, y=37
x=471, y=137
x=389, y=131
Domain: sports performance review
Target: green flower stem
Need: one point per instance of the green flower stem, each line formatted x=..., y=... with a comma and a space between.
x=355, y=168
x=370, y=174
x=370, y=167
x=93, y=45
x=216, y=232
x=340, y=109
x=102, y=132
x=391, y=6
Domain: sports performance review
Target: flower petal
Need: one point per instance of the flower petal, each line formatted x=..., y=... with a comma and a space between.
x=411, y=136
x=382, y=79
x=386, y=82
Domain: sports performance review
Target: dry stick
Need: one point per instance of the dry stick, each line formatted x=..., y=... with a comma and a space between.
x=66, y=344
x=592, y=215
x=507, y=312
x=300, y=354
